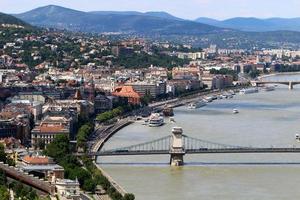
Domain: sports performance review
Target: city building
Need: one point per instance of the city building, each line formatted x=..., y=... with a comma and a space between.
x=51, y=126
x=128, y=92
x=66, y=188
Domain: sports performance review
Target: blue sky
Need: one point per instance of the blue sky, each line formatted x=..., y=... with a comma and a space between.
x=188, y=9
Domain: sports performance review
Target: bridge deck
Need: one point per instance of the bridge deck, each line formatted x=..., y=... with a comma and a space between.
x=201, y=151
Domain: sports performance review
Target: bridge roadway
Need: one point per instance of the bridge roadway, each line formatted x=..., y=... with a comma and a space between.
x=199, y=151
x=289, y=83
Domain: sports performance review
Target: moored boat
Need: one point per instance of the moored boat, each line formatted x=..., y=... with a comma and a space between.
x=168, y=111
x=268, y=88
x=208, y=99
x=249, y=90
x=155, y=120
x=235, y=111
x=197, y=104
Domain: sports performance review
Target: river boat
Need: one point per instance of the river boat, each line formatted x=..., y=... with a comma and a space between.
x=297, y=137
x=235, y=111
x=172, y=119
x=249, y=90
x=168, y=111
x=197, y=104
x=214, y=97
x=155, y=120
x=208, y=99
x=268, y=88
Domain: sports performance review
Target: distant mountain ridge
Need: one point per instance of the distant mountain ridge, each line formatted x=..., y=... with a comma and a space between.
x=232, y=33
x=164, y=15
x=255, y=24
x=9, y=19
x=112, y=21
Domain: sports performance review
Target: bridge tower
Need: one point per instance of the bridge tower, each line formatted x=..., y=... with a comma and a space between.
x=177, y=150
x=291, y=85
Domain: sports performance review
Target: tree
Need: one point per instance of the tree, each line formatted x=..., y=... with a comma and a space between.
x=83, y=134
x=4, y=194
x=3, y=179
x=3, y=157
x=58, y=148
x=128, y=196
x=41, y=144
x=89, y=185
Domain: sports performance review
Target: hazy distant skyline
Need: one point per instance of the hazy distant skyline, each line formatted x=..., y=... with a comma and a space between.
x=187, y=9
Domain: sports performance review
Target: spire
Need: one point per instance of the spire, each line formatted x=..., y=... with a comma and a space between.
x=82, y=80
x=77, y=95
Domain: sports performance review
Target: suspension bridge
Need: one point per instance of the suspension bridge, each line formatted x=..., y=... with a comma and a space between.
x=178, y=144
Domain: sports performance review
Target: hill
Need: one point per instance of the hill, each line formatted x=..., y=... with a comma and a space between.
x=124, y=22
x=9, y=19
x=255, y=24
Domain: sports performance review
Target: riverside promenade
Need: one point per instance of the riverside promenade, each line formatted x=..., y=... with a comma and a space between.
x=117, y=186
x=180, y=101
x=103, y=134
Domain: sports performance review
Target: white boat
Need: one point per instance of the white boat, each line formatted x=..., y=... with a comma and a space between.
x=155, y=120
x=297, y=137
x=224, y=96
x=197, y=104
x=214, y=97
x=249, y=90
x=269, y=88
x=172, y=119
x=235, y=111
x=208, y=99
x=231, y=92
x=228, y=95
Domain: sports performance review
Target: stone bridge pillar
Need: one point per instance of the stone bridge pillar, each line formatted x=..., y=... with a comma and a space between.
x=291, y=85
x=177, y=147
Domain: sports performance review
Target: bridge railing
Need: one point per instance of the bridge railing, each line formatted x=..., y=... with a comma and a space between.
x=161, y=144
x=198, y=144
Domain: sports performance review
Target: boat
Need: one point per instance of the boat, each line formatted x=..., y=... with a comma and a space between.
x=197, y=104
x=224, y=96
x=208, y=99
x=168, y=111
x=214, y=97
x=155, y=120
x=235, y=111
x=172, y=119
x=249, y=90
x=227, y=95
x=297, y=137
x=231, y=92
x=268, y=88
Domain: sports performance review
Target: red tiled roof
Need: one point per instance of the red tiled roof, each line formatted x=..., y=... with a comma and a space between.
x=126, y=91
x=36, y=160
x=52, y=128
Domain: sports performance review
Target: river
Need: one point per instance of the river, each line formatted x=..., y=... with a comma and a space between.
x=265, y=119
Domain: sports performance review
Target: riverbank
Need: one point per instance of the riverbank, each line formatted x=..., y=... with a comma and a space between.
x=275, y=74
x=108, y=132
x=190, y=98
x=116, y=185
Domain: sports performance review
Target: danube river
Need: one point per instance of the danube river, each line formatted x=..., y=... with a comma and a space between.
x=265, y=119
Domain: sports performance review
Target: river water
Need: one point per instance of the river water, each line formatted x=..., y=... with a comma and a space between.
x=265, y=119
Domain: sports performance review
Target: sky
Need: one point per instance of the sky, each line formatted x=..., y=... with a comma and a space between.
x=187, y=9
